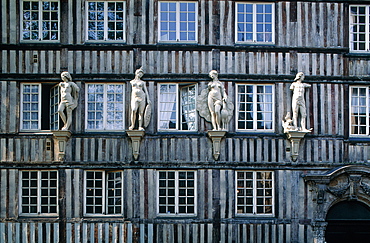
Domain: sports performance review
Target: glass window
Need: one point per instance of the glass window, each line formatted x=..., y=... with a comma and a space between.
x=359, y=110
x=255, y=22
x=176, y=192
x=359, y=28
x=40, y=20
x=103, y=193
x=105, y=107
x=105, y=20
x=177, y=107
x=178, y=21
x=38, y=193
x=38, y=99
x=254, y=193
x=255, y=107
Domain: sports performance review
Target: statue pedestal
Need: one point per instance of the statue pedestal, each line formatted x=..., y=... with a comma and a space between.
x=136, y=137
x=216, y=137
x=295, y=138
x=60, y=141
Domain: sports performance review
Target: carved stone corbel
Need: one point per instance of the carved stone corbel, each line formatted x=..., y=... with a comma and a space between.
x=136, y=137
x=60, y=141
x=319, y=228
x=295, y=138
x=216, y=137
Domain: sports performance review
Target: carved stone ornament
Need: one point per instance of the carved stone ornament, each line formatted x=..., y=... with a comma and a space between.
x=69, y=92
x=296, y=131
x=60, y=142
x=141, y=106
x=216, y=137
x=351, y=182
x=214, y=105
x=136, y=137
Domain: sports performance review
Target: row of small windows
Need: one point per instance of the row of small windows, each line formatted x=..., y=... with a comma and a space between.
x=176, y=193
x=105, y=107
x=178, y=21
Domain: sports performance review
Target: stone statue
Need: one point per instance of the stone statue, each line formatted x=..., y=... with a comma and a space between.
x=288, y=123
x=213, y=104
x=140, y=103
x=69, y=92
x=298, y=102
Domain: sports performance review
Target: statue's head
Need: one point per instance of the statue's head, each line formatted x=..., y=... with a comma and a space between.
x=139, y=72
x=66, y=76
x=299, y=76
x=213, y=74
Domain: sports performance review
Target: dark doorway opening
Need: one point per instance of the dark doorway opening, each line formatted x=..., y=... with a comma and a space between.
x=348, y=221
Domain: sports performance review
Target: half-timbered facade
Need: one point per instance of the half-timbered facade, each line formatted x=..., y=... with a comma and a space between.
x=174, y=189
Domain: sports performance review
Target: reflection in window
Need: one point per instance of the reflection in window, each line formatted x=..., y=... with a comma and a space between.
x=255, y=22
x=103, y=192
x=177, y=21
x=177, y=107
x=105, y=107
x=359, y=109
x=254, y=193
x=106, y=20
x=255, y=107
x=359, y=28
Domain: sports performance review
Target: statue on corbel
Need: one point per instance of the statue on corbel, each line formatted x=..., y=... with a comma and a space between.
x=69, y=93
x=214, y=106
x=296, y=130
x=141, y=111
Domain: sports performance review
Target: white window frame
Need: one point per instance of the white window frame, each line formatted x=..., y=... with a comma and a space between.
x=178, y=107
x=254, y=205
x=367, y=29
x=104, y=194
x=177, y=194
x=105, y=110
x=178, y=22
x=40, y=20
x=255, y=103
x=53, y=108
x=105, y=39
x=39, y=187
x=367, y=108
x=255, y=23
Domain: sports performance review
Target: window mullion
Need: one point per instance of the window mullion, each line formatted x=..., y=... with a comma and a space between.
x=367, y=29
x=38, y=192
x=177, y=107
x=104, y=185
x=254, y=107
x=177, y=21
x=176, y=192
x=254, y=14
x=254, y=177
x=105, y=21
x=105, y=106
x=40, y=20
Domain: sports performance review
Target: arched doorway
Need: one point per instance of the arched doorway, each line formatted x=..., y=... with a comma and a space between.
x=348, y=221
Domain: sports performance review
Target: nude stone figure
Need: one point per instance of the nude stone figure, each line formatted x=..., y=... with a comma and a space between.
x=69, y=92
x=298, y=102
x=216, y=99
x=140, y=102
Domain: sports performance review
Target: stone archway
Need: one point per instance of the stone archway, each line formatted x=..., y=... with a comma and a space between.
x=348, y=221
x=347, y=186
